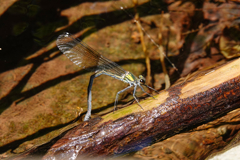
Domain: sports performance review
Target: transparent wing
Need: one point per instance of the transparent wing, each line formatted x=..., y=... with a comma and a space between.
x=85, y=57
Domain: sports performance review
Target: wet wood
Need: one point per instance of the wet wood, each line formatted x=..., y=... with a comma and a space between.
x=199, y=98
x=198, y=143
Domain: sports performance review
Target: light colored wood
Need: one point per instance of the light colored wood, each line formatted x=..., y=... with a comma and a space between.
x=206, y=81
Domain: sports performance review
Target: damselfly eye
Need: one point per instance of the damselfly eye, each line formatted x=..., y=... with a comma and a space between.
x=142, y=81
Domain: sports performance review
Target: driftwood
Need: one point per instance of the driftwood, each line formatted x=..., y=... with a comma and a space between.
x=204, y=141
x=198, y=98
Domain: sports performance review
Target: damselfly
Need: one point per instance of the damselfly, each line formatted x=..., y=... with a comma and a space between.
x=87, y=58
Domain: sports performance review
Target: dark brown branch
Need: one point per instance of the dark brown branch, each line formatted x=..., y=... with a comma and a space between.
x=190, y=102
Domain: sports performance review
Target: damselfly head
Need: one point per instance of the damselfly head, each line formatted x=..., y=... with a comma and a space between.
x=67, y=34
x=142, y=80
